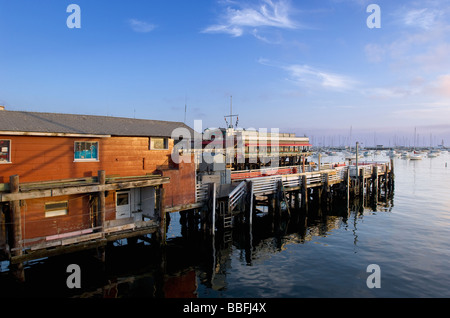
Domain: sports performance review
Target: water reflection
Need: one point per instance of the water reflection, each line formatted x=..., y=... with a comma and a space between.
x=190, y=260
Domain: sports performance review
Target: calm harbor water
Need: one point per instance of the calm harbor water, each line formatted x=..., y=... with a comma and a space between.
x=322, y=254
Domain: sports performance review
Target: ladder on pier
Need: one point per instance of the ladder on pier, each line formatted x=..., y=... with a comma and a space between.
x=234, y=198
x=225, y=215
x=227, y=221
x=227, y=236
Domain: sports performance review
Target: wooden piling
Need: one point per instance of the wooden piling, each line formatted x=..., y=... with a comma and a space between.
x=296, y=200
x=326, y=189
x=101, y=212
x=304, y=190
x=250, y=210
x=208, y=216
x=386, y=178
x=278, y=196
x=347, y=185
x=162, y=216
x=392, y=167
x=16, y=228
x=392, y=176
x=15, y=217
x=212, y=191
x=375, y=181
x=101, y=200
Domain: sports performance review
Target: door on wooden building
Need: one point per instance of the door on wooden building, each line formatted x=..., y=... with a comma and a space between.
x=123, y=204
x=148, y=202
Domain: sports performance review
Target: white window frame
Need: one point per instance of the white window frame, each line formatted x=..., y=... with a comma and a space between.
x=9, y=152
x=165, y=142
x=56, y=212
x=86, y=159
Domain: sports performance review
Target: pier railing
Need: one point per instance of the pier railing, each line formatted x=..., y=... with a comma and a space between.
x=201, y=192
x=265, y=172
x=237, y=194
x=366, y=169
x=335, y=175
x=264, y=183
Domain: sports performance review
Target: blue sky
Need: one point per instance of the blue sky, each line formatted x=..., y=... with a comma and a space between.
x=311, y=67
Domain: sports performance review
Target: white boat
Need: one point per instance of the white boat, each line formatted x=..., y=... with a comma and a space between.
x=353, y=157
x=415, y=156
x=434, y=153
x=393, y=154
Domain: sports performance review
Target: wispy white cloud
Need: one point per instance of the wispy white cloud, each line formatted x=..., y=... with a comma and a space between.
x=435, y=88
x=311, y=77
x=440, y=87
x=306, y=75
x=361, y=3
x=389, y=92
x=435, y=58
x=424, y=18
x=424, y=112
x=141, y=26
x=374, y=52
x=250, y=17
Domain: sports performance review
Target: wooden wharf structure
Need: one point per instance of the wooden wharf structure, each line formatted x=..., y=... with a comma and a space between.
x=73, y=182
x=294, y=191
x=98, y=235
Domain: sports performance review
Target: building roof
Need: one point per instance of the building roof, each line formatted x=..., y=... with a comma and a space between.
x=71, y=124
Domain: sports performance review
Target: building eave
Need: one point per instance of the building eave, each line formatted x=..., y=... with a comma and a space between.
x=50, y=134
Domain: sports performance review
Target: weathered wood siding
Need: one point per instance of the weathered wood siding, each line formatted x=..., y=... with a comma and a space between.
x=35, y=224
x=181, y=189
x=37, y=159
x=51, y=158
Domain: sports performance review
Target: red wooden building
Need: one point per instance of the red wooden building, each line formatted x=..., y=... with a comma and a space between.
x=73, y=181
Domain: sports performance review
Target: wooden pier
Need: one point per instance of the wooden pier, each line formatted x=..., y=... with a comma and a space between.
x=294, y=191
x=217, y=207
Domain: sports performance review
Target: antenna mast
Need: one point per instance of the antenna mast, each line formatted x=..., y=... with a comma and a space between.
x=230, y=125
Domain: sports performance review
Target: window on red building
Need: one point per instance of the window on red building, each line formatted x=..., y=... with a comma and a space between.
x=86, y=151
x=5, y=151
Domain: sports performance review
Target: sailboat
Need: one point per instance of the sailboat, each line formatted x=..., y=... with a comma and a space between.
x=415, y=155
